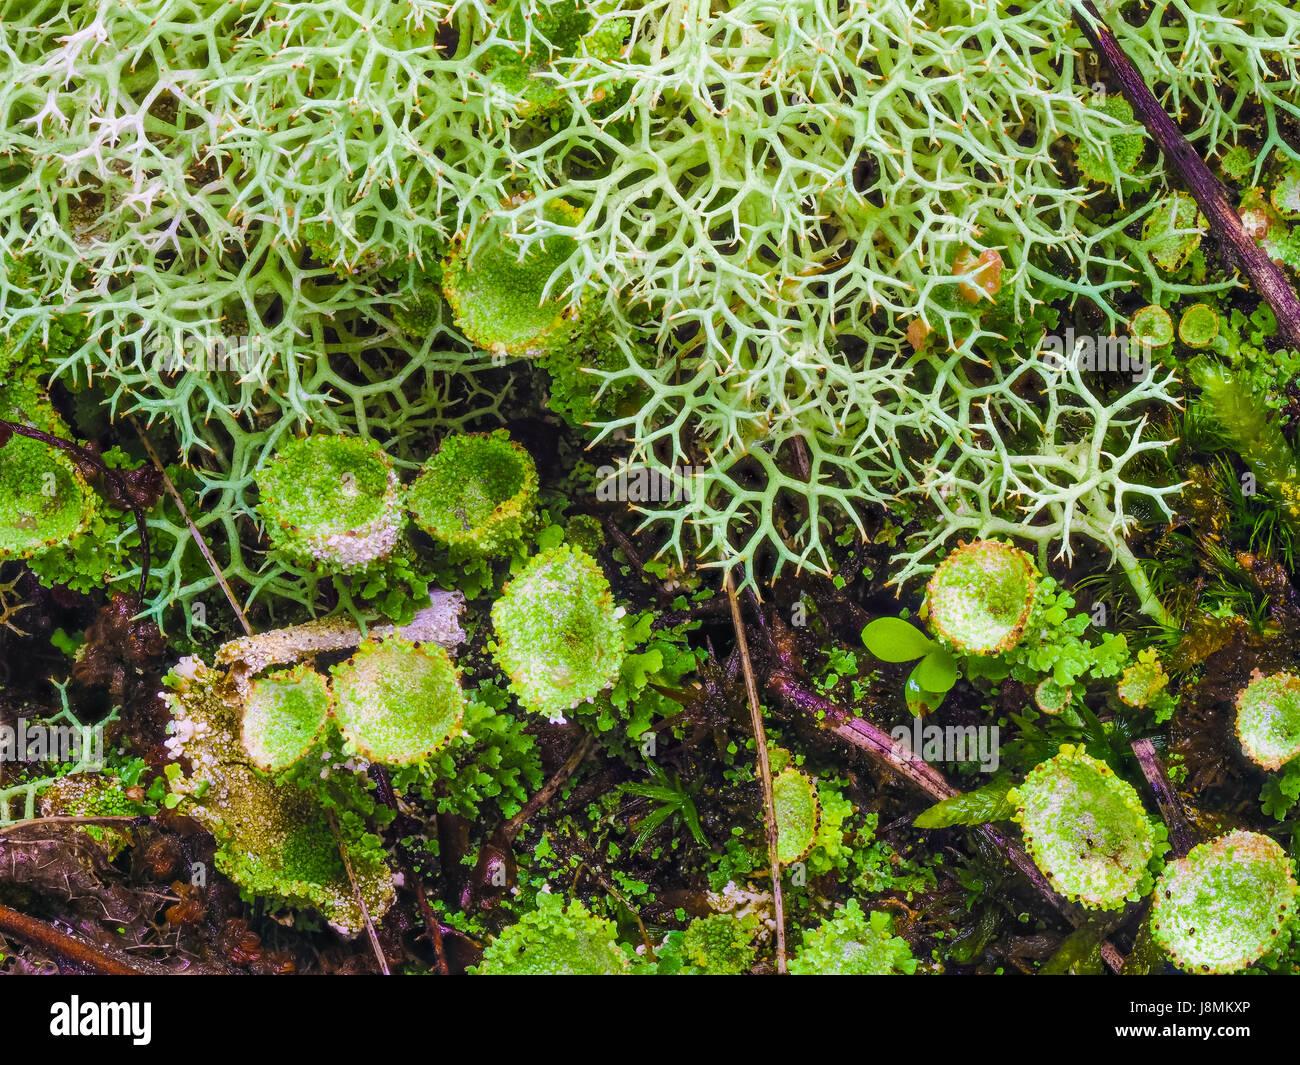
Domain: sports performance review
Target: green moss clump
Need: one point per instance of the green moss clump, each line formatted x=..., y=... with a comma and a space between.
x=398, y=702
x=476, y=494
x=1268, y=719
x=284, y=714
x=555, y=940
x=558, y=636
x=979, y=598
x=794, y=796
x=853, y=943
x=1221, y=908
x=721, y=944
x=499, y=299
x=1085, y=829
x=44, y=501
x=332, y=501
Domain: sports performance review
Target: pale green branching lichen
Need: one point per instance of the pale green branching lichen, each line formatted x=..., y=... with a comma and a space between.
x=558, y=636
x=1268, y=719
x=1085, y=829
x=1223, y=906
x=477, y=494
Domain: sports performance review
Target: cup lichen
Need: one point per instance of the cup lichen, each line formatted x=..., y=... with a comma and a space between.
x=476, y=494
x=1085, y=829
x=1268, y=719
x=979, y=598
x=332, y=501
x=558, y=635
x=1223, y=906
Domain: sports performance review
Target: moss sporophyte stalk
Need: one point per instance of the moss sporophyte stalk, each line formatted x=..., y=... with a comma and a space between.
x=651, y=488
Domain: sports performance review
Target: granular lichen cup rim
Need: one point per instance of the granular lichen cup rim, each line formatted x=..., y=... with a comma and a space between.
x=979, y=598
x=1268, y=719
x=1223, y=906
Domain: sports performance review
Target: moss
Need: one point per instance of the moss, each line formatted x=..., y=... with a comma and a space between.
x=1085, y=829
x=1224, y=905
x=500, y=298
x=44, y=501
x=721, y=944
x=1268, y=719
x=979, y=598
x=332, y=501
x=794, y=796
x=555, y=940
x=284, y=714
x=398, y=702
x=853, y=943
x=558, y=635
x=477, y=493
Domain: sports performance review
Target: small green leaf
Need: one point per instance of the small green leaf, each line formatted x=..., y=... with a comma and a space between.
x=920, y=701
x=937, y=671
x=977, y=807
x=894, y=640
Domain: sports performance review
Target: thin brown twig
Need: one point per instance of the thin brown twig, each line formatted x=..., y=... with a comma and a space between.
x=881, y=747
x=1181, y=836
x=549, y=790
x=194, y=529
x=1208, y=191
x=764, y=768
x=48, y=939
x=371, y=932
